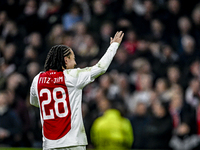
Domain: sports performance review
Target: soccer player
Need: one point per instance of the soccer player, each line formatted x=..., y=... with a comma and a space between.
x=58, y=93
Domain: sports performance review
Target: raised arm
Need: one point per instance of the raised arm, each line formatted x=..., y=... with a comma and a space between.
x=82, y=77
x=105, y=61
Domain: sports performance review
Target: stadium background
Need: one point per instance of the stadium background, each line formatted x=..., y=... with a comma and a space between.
x=154, y=79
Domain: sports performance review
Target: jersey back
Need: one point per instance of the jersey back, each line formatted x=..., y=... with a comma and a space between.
x=54, y=104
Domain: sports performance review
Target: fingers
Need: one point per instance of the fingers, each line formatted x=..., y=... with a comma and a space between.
x=117, y=38
x=116, y=34
x=119, y=34
x=122, y=35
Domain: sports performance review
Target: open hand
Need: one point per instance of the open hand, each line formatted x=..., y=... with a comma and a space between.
x=117, y=38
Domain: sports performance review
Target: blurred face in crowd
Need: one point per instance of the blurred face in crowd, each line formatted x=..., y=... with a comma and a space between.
x=100, y=94
x=80, y=28
x=161, y=85
x=14, y=80
x=128, y=5
x=105, y=81
x=30, y=7
x=188, y=44
x=106, y=30
x=57, y=30
x=184, y=25
x=10, y=28
x=146, y=82
x=121, y=55
x=3, y=17
x=149, y=6
x=173, y=74
x=33, y=69
x=167, y=51
x=158, y=110
x=196, y=16
x=9, y=52
x=176, y=101
x=98, y=7
x=174, y=6
x=123, y=82
x=195, y=68
x=30, y=53
x=131, y=36
x=35, y=39
x=88, y=39
x=103, y=105
x=141, y=109
x=195, y=86
x=68, y=40
x=156, y=26
x=142, y=45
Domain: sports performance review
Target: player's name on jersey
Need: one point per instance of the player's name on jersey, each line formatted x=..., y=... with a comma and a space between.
x=47, y=80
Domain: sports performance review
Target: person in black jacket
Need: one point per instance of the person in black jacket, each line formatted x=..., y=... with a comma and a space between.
x=159, y=128
x=10, y=126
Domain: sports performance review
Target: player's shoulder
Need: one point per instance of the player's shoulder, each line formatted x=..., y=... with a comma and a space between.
x=75, y=72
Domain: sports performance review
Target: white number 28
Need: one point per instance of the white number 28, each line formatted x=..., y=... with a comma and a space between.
x=57, y=101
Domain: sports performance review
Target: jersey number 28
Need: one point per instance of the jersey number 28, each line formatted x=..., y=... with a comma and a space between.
x=57, y=101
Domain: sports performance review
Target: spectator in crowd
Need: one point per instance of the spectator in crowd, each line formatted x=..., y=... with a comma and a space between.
x=174, y=12
x=173, y=75
x=99, y=15
x=192, y=72
x=139, y=121
x=189, y=51
x=161, y=88
x=192, y=93
x=124, y=87
x=167, y=58
x=106, y=30
x=183, y=123
x=29, y=19
x=10, y=125
x=112, y=131
x=8, y=63
x=159, y=128
x=158, y=31
x=88, y=49
x=80, y=31
x=55, y=35
x=140, y=66
x=109, y=86
x=143, y=94
x=131, y=42
x=121, y=61
x=12, y=35
x=72, y=17
x=196, y=21
x=3, y=20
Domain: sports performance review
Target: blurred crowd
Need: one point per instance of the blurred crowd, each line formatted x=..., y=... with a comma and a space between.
x=151, y=91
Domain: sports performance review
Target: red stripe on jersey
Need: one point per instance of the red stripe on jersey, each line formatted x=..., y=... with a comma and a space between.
x=54, y=104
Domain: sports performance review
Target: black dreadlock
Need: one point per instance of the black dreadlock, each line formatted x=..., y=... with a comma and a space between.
x=55, y=57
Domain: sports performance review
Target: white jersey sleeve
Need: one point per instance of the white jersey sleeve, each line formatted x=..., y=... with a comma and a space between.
x=87, y=75
x=33, y=92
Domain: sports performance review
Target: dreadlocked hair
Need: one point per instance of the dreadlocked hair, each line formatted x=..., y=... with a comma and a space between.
x=55, y=57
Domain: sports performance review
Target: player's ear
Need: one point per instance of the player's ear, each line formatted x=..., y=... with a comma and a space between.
x=65, y=59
